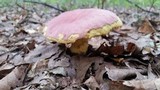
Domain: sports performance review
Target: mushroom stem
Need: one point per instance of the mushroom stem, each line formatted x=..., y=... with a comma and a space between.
x=80, y=46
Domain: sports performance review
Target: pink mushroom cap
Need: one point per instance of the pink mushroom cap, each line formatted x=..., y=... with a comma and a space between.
x=76, y=24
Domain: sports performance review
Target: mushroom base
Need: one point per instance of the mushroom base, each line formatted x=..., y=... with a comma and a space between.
x=80, y=46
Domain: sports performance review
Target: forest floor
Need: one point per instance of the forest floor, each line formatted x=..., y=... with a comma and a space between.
x=125, y=60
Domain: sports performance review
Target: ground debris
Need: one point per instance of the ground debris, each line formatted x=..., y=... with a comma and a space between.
x=127, y=59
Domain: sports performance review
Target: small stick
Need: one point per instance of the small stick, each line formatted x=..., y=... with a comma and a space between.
x=148, y=11
x=45, y=4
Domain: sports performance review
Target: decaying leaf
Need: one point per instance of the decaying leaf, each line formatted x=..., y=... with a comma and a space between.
x=41, y=52
x=100, y=72
x=132, y=48
x=29, y=46
x=14, y=79
x=59, y=71
x=43, y=80
x=148, y=84
x=119, y=73
x=146, y=27
x=92, y=83
x=118, y=85
x=96, y=42
x=82, y=64
x=63, y=61
x=37, y=67
x=111, y=50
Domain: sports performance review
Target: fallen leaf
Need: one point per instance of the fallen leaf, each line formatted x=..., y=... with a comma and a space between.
x=118, y=85
x=148, y=84
x=99, y=73
x=63, y=61
x=92, y=83
x=96, y=42
x=146, y=27
x=41, y=52
x=14, y=79
x=65, y=82
x=82, y=64
x=111, y=50
x=29, y=46
x=132, y=49
x=59, y=71
x=37, y=67
x=117, y=50
x=43, y=80
x=121, y=74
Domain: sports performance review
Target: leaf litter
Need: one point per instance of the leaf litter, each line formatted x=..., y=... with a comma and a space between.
x=127, y=59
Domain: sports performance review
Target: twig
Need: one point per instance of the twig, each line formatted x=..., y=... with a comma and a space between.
x=152, y=4
x=45, y=4
x=22, y=7
x=148, y=11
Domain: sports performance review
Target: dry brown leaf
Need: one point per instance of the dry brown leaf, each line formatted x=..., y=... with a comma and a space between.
x=118, y=73
x=146, y=27
x=148, y=84
x=99, y=73
x=96, y=42
x=92, y=83
x=117, y=50
x=121, y=74
x=29, y=46
x=37, y=67
x=82, y=64
x=132, y=48
x=41, y=52
x=14, y=79
x=111, y=50
x=43, y=80
x=62, y=62
x=118, y=85
x=59, y=71
x=64, y=81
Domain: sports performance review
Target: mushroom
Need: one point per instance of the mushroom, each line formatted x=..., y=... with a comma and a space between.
x=76, y=27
